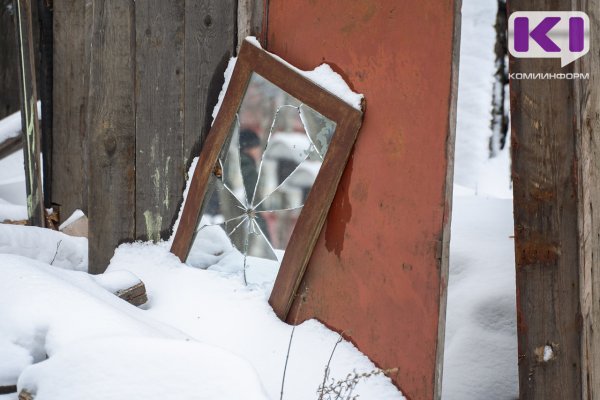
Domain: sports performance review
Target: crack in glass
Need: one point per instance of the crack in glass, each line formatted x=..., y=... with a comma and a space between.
x=262, y=178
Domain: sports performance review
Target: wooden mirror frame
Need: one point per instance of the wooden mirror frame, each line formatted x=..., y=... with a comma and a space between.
x=310, y=222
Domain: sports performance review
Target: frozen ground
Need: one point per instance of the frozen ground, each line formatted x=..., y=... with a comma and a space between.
x=203, y=329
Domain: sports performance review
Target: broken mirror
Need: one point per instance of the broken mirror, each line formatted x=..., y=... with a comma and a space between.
x=266, y=176
x=260, y=182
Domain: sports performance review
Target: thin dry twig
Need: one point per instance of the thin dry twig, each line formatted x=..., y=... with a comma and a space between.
x=56, y=252
x=287, y=357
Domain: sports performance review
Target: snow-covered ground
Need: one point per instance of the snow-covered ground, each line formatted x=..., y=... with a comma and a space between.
x=480, y=360
x=205, y=335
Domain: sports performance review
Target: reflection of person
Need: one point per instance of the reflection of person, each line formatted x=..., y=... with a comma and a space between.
x=250, y=157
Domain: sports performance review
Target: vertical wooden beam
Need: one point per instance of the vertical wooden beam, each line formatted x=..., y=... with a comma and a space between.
x=70, y=92
x=556, y=152
x=44, y=9
x=111, y=201
x=159, y=96
x=210, y=27
x=9, y=67
x=29, y=114
x=251, y=20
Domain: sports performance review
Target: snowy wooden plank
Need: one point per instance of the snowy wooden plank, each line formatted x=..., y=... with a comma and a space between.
x=556, y=153
x=29, y=115
x=111, y=201
x=71, y=73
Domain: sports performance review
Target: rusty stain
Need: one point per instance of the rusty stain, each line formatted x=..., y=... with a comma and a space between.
x=335, y=235
x=532, y=252
x=542, y=194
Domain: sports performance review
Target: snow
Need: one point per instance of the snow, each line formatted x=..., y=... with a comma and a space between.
x=480, y=359
x=122, y=368
x=44, y=245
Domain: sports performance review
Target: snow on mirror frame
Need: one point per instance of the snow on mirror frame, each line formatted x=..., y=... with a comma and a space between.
x=275, y=134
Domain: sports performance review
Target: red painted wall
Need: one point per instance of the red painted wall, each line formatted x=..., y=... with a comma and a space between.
x=376, y=270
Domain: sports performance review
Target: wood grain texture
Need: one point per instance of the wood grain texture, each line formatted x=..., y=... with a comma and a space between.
x=72, y=34
x=250, y=17
x=111, y=129
x=159, y=97
x=9, y=66
x=209, y=44
x=29, y=115
x=555, y=127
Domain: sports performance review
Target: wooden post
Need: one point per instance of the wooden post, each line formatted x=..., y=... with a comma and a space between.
x=556, y=175
x=72, y=35
x=159, y=115
x=29, y=113
x=111, y=201
x=9, y=70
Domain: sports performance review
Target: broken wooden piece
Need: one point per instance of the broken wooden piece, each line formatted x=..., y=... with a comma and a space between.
x=125, y=285
x=8, y=389
x=25, y=395
x=10, y=146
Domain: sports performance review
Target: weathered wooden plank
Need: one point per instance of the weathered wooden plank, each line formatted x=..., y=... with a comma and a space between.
x=29, y=114
x=44, y=9
x=587, y=103
x=9, y=65
x=10, y=146
x=209, y=43
x=159, y=115
x=70, y=92
x=555, y=145
x=250, y=17
x=111, y=129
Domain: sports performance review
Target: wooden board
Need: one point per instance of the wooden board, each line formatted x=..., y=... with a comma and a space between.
x=72, y=29
x=111, y=201
x=9, y=64
x=10, y=146
x=29, y=114
x=556, y=153
x=159, y=93
x=379, y=268
x=209, y=44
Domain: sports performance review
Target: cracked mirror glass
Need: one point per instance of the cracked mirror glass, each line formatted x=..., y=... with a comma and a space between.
x=260, y=183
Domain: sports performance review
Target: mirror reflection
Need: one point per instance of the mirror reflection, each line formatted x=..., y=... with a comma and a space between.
x=263, y=176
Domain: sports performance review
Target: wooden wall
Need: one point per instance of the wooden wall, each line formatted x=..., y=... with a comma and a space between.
x=134, y=109
x=9, y=62
x=556, y=176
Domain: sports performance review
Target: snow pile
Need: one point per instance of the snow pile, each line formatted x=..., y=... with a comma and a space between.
x=44, y=245
x=200, y=330
x=480, y=360
x=142, y=368
x=218, y=309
